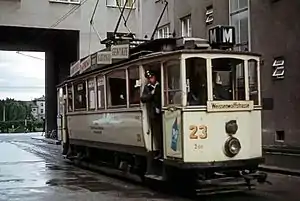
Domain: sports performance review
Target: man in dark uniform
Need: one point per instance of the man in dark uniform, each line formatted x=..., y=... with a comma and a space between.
x=152, y=97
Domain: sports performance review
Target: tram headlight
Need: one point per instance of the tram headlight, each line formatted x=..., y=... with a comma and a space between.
x=231, y=127
x=232, y=147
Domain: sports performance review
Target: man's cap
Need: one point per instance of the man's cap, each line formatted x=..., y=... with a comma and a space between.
x=149, y=74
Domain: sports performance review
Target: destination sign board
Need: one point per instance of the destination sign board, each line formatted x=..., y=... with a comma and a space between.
x=104, y=57
x=85, y=64
x=120, y=51
x=75, y=68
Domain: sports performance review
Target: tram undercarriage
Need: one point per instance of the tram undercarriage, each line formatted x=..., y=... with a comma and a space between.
x=192, y=179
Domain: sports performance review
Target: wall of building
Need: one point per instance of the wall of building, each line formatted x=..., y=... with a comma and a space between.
x=42, y=13
x=267, y=27
x=275, y=32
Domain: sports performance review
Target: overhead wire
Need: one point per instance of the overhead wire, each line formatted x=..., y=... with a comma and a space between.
x=55, y=24
x=66, y=15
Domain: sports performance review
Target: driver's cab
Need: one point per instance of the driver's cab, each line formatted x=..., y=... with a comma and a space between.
x=202, y=93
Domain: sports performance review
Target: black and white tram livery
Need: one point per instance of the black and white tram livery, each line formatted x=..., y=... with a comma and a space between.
x=211, y=117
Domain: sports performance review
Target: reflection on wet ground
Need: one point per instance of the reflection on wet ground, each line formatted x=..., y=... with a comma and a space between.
x=34, y=171
x=25, y=174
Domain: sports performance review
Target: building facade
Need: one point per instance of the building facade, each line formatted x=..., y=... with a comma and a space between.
x=38, y=108
x=268, y=27
x=73, y=15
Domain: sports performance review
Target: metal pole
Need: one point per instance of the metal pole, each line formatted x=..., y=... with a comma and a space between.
x=160, y=17
x=120, y=18
x=4, y=112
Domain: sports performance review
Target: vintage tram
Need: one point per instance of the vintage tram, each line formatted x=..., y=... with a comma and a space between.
x=211, y=104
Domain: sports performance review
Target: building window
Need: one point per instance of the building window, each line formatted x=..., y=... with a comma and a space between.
x=278, y=66
x=209, y=15
x=134, y=85
x=42, y=111
x=280, y=136
x=116, y=88
x=100, y=92
x=239, y=18
x=42, y=104
x=186, y=27
x=80, y=96
x=163, y=32
x=91, y=88
x=66, y=1
x=121, y=3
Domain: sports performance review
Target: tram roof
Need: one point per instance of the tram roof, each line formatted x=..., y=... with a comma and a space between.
x=128, y=62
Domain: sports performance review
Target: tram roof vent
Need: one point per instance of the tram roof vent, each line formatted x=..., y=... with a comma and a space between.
x=193, y=43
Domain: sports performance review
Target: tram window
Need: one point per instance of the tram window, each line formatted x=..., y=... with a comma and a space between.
x=228, y=79
x=172, y=89
x=100, y=92
x=253, y=81
x=134, y=89
x=70, y=98
x=80, y=95
x=91, y=89
x=196, y=81
x=116, y=88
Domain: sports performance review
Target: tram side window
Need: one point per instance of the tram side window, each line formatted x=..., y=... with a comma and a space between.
x=228, y=79
x=70, y=98
x=253, y=81
x=172, y=91
x=100, y=92
x=80, y=96
x=196, y=81
x=116, y=88
x=91, y=94
x=134, y=89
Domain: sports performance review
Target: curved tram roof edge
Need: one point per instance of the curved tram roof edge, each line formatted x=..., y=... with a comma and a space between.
x=129, y=61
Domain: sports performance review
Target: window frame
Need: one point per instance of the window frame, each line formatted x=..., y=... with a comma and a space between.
x=238, y=11
x=162, y=28
x=84, y=83
x=278, y=65
x=165, y=87
x=71, y=85
x=115, y=5
x=187, y=19
x=104, y=104
x=108, y=91
x=187, y=88
x=92, y=79
x=65, y=1
x=209, y=15
x=128, y=86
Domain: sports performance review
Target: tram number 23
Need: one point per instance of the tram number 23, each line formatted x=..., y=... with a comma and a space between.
x=198, y=132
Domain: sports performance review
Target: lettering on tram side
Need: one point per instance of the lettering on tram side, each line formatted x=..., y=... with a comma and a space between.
x=198, y=146
x=97, y=129
x=228, y=106
x=198, y=132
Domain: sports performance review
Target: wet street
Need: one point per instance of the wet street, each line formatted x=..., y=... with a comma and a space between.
x=34, y=170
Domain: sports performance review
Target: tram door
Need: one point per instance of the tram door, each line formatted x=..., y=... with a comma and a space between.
x=60, y=112
x=153, y=122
